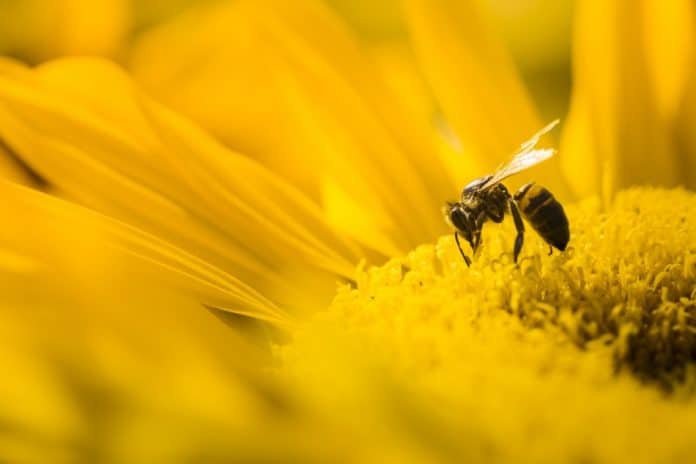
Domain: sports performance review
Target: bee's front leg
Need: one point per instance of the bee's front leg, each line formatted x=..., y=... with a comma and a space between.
x=459, y=245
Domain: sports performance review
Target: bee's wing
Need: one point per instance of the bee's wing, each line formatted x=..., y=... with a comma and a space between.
x=534, y=139
x=526, y=157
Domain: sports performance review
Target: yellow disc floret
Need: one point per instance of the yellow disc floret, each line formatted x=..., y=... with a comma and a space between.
x=561, y=358
x=581, y=356
x=627, y=280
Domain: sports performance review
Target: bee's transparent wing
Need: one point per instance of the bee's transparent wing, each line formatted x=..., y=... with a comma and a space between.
x=520, y=162
x=526, y=157
x=534, y=139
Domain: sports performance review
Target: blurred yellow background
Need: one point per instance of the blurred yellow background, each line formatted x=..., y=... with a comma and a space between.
x=536, y=31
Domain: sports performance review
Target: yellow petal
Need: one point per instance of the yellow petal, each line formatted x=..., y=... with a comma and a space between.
x=536, y=31
x=628, y=135
x=578, y=158
x=92, y=337
x=686, y=118
x=11, y=166
x=668, y=32
x=324, y=105
x=12, y=169
x=122, y=154
x=42, y=29
x=374, y=21
x=33, y=214
x=476, y=83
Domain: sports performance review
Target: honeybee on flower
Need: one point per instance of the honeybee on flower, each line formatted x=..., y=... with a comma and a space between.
x=486, y=199
x=169, y=291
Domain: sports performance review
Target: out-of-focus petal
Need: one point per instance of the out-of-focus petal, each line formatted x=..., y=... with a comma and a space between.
x=96, y=338
x=578, y=157
x=40, y=29
x=668, y=34
x=27, y=215
x=323, y=105
x=629, y=138
x=536, y=31
x=374, y=21
x=686, y=121
x=122, y=154
x=476, y=83
x=397, y=66
x=11, y=167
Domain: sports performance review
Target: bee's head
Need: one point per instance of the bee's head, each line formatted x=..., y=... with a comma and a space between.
x=459, y=217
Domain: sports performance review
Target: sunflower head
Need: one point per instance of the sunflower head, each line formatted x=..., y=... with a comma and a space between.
x=625, y=285
x=242, y=159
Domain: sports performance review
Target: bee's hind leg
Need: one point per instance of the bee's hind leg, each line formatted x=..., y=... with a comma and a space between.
x=459, y=245
x=519, y=225
x=550, y=250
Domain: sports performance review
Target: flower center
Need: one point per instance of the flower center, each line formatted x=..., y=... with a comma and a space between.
x=624, y=291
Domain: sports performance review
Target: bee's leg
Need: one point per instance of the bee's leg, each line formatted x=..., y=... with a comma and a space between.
x=466, y=258
x=476, y=242
x=550, y=250
x=519, y=225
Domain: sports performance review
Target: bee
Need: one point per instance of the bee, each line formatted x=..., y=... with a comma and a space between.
x=486, y=198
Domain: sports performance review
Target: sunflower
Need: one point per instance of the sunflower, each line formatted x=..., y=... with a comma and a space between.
x=246, y=163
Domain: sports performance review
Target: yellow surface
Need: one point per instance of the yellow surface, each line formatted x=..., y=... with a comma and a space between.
x=562, y=358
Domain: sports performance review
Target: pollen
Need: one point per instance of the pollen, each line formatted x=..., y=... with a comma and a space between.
x=626, y=283
x=591, y=349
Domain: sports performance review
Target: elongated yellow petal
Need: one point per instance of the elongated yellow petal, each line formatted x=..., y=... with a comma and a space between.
x=686, y=116
x=324, y=105
x=92, y=340
x=611, y=71
x=476, y=83
x=122, y=154
x=28, y=215
x=579, y=159
x=668, y=34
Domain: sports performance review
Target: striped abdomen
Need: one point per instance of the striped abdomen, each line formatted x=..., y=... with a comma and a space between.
x=545, y=214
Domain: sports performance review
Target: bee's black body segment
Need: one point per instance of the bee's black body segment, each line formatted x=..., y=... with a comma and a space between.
x=486, y=198
x=545, y=214
x=535, y=198
x=533, y=202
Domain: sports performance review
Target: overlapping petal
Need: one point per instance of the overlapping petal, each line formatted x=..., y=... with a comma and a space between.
x=625, y=92
x=686, y=112
x=42, y=29
x=297, y=96
x=12, y=169
x=102, y=330
x=476, y=83
x=668, y=31
x=44, y=233
x=122, y=154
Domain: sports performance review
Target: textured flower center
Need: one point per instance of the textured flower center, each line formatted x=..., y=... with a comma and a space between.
x=624, y=290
